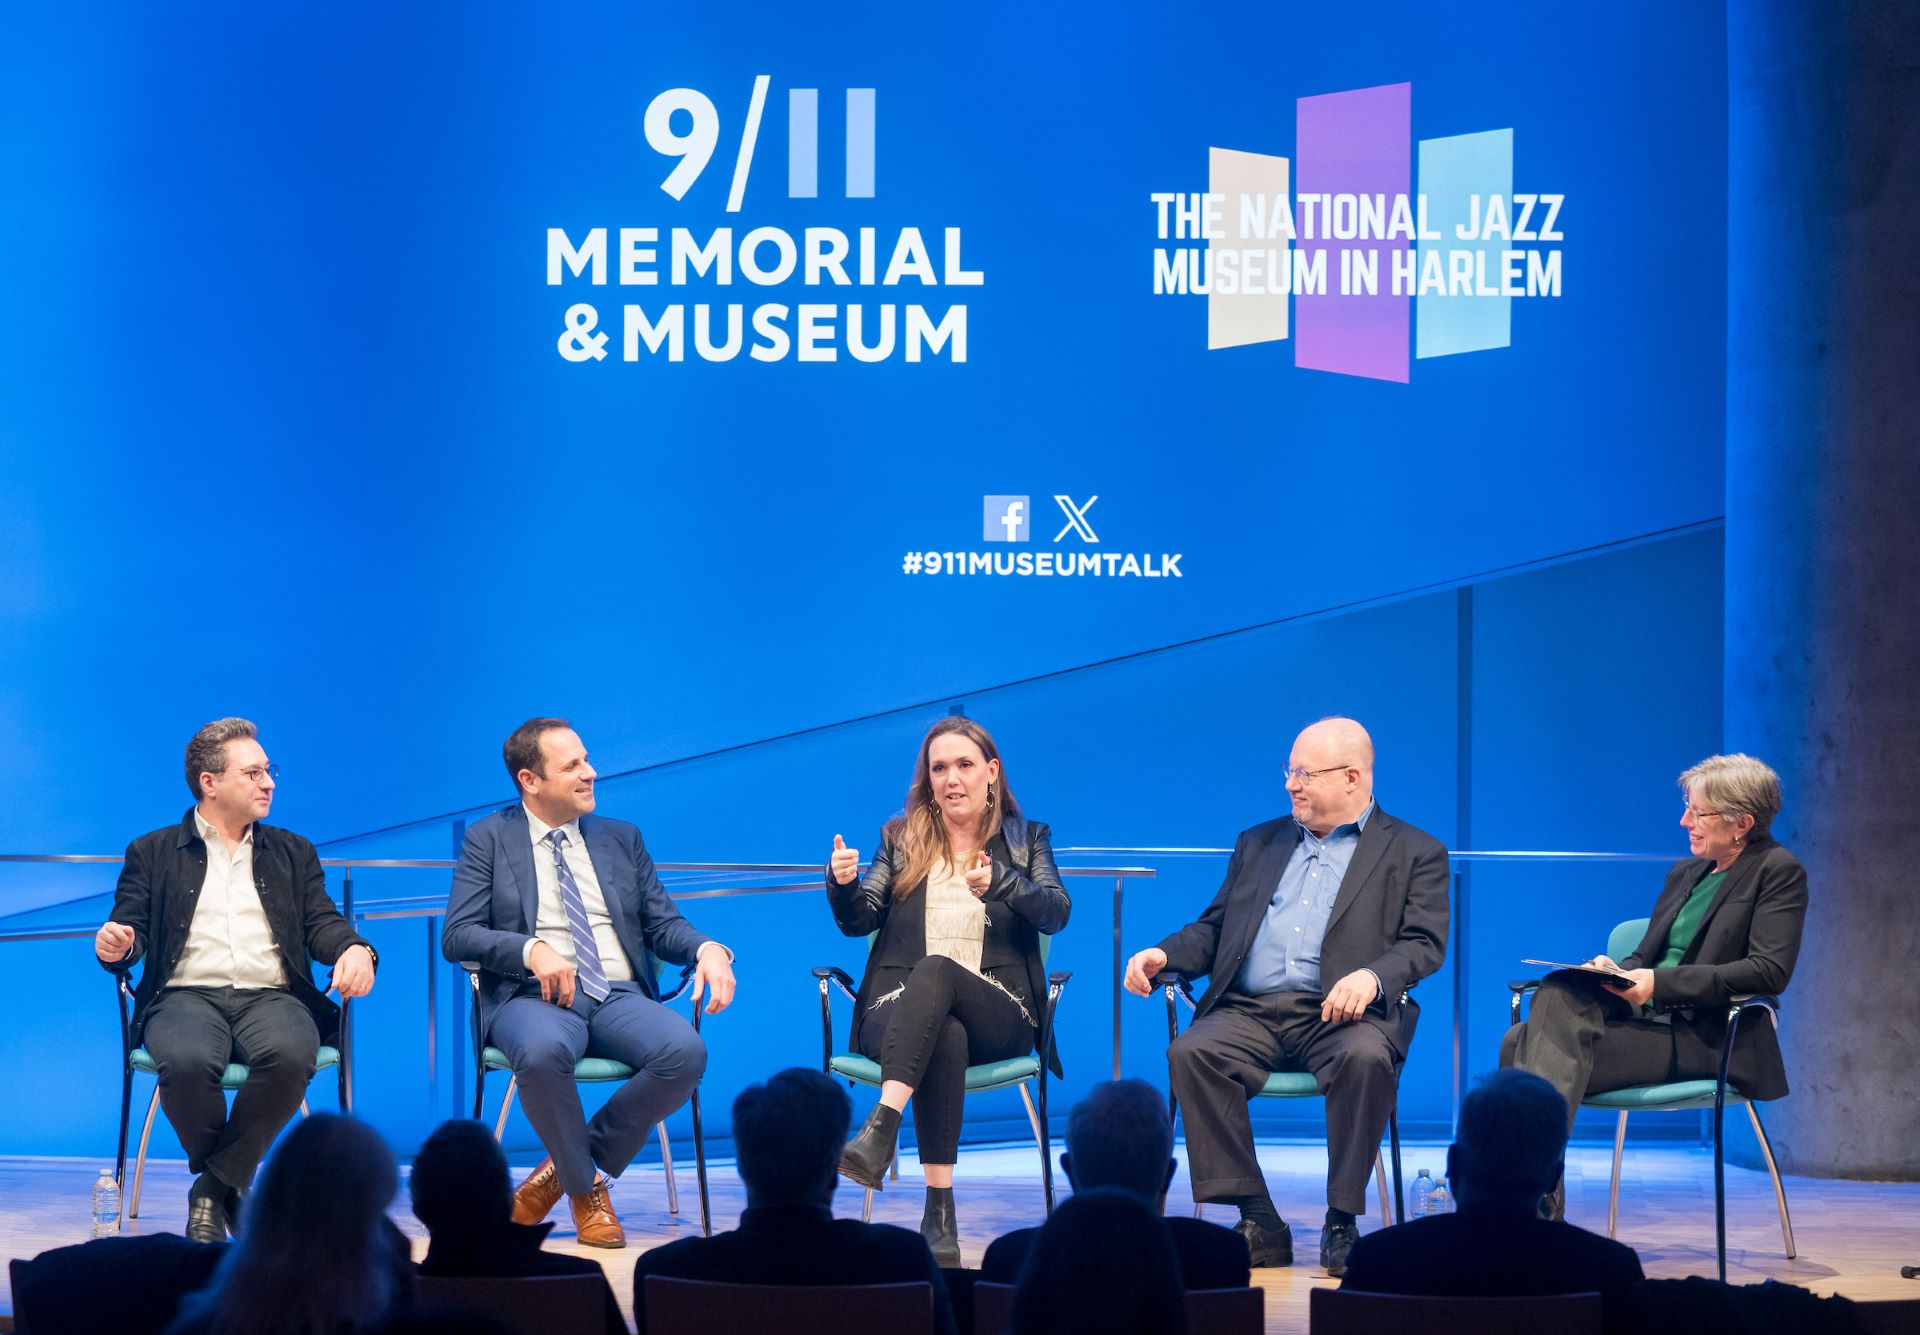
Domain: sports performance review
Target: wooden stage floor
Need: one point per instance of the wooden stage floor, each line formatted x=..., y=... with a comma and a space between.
x=1853, y=1236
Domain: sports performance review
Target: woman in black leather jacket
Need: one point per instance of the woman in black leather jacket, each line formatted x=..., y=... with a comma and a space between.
x=958, y=897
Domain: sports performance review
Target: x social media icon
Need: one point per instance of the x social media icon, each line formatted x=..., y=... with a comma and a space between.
x=1076, y=519
x=1007, y=519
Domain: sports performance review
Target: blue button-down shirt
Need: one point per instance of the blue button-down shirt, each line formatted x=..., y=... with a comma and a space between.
x=1285, y=956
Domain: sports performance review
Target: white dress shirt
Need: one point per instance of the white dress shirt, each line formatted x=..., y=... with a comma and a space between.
x=551, y=923
x=229, y=943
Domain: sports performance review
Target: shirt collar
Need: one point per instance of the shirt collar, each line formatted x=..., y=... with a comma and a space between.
x=208, y=834
x=541, y=829
x=1353, y=829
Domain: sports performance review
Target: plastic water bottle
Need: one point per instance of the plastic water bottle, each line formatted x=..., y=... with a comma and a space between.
x=1442, y=1200
x=106, y=1205
x=1422, y=1194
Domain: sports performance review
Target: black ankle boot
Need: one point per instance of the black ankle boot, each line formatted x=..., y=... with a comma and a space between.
x=939, y=1227
x=867, y=1155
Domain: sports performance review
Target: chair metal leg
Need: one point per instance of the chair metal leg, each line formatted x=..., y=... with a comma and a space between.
x=506, y=1106
x=1779, y=1191
x=866, y=1208
x=1040, y=1144
x=1399, y=1195
x=700, y=1169
x=126, y=1118
x=893, y=1166
x=1613, y=1197
x=666, y=1162
x=1720, y=1179
x=140, y=1159
x=1380, y=1177
x=303, y=1108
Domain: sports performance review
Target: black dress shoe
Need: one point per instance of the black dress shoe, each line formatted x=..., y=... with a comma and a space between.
x=867, y=1155
x=940, y=1228
x=1266, y=1246
x=230, y=1212
x=207, y=1209
x=1336, y=1240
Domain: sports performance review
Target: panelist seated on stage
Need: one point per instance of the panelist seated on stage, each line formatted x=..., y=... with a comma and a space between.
x=229, y=914
x=787, y=1134
x=1726, y=924
x=1118, y=1136
x=462, y=1193
x=957, y=899
x=1326, y=919
x=1508, y=1151
x=560, y=908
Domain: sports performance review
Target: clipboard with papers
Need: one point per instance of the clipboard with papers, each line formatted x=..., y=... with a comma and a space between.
x=1583, y=968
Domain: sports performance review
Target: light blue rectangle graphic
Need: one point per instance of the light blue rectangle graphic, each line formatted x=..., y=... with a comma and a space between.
x=1455, y=173
x=1007, y=519
x=859, y=143
x=803, y=143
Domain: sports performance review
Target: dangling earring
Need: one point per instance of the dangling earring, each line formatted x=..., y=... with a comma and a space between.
x=990, y=797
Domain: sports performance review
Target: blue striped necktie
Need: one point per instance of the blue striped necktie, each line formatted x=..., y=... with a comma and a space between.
x=586, y=955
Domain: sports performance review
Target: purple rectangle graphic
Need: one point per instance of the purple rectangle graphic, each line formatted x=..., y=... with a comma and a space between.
x=1357, y=144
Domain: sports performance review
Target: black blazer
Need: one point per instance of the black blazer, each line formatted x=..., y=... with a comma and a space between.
x=797, y=1244
x=159, y=889
x=1390, y=916
x=1210, y=1256
x=1497, y=1252
x=1025, y=882
x=1746, y=944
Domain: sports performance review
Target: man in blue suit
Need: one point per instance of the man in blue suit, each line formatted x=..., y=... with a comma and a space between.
x=562, y=911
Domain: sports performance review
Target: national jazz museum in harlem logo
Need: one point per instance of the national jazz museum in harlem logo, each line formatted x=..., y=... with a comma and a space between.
x=1343, y=249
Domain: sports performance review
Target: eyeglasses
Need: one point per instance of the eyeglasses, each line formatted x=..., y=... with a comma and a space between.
x=1306, y=775
x=1689, y=809
x=260, y=773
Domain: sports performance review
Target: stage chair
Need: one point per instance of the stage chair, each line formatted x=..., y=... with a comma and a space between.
x=1015, y=1072
x=1683, y=1096
x=138, y=1059
x=1213, y=1311
x=701, y=1307
x=596, y=1071
x=1345, y=1312
x=529, y=1305
x=1293, y=1083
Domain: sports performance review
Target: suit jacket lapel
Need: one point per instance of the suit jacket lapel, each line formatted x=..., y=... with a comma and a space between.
x=1261, y=876
x=1373, y=842
x=519, y=855
x=612, y=870
x=1743, y=870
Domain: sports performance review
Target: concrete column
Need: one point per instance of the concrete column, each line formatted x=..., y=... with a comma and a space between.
x=1823, y=543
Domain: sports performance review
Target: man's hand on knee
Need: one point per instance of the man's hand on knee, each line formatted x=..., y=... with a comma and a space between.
x=555, y=974
x=1349, y=998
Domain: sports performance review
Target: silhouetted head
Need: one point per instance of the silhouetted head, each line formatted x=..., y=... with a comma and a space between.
x=459, y=1182
x=1512, y=1140
x=788, y=1134
x=1119, y=1136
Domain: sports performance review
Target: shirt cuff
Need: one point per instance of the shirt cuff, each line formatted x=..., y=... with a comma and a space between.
x=705, y=944
x=526, y=953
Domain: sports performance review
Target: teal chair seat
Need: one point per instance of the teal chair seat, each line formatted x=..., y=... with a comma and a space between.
x=1682, y=1096
x=1012, y=1073
x=236, y=1074
x=598, y=1071
x=980, y=1079
x=1291, y=1085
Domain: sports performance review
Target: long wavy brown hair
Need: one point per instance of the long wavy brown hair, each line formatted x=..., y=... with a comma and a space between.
x=920, y=832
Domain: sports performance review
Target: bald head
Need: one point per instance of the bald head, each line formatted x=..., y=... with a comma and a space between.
x=1338, y=757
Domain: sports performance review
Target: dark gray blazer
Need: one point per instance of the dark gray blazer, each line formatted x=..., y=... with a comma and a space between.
x=496, y=902
x=1390, y=916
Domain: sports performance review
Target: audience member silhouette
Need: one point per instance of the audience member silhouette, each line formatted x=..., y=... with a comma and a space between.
x=1507, y=1154
x=317, y=1254
x=463, y=1193
x=1119, y=1136
x=1102, y=1265
x=60, y=1292
x=787, y=1134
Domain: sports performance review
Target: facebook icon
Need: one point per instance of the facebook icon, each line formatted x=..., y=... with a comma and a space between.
x=1006, y=519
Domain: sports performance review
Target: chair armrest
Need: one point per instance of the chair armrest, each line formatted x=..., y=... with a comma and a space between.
x=1174, y=984
x=1517, y=989
x=1059, y=979
x=829, y=977
x=123, y=994
x=840, y=977
x=1736, y=1007
x=680, y=988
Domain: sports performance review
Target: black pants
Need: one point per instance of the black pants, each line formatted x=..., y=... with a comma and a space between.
x=1583, y=1039
x=945, y=1019
x=192, y=1033
x=1222, y=1061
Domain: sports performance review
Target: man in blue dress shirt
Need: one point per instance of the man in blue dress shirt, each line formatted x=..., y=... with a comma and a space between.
x=1326, y=919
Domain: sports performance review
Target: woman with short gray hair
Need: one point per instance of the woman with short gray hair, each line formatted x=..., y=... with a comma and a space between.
x=1726, y=924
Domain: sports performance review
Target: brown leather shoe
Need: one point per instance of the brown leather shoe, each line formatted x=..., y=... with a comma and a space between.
x=536, y=1197
x=594, y=1222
